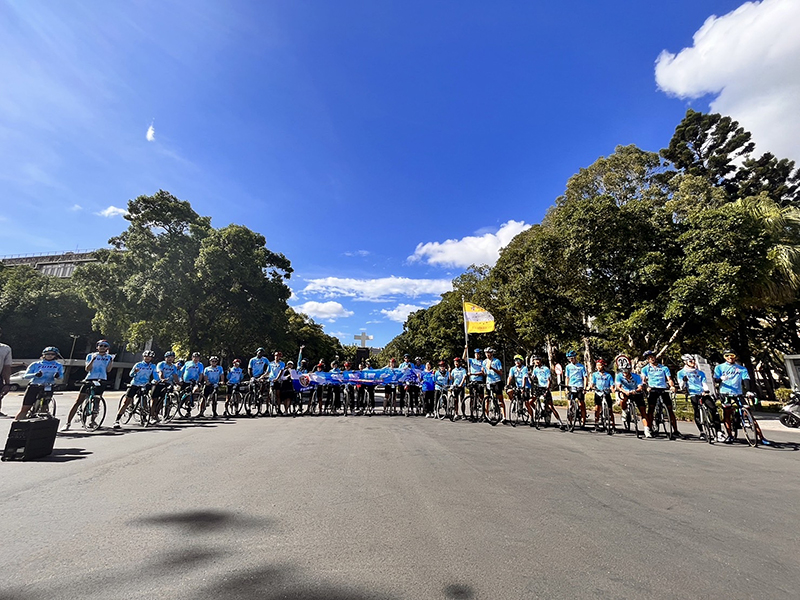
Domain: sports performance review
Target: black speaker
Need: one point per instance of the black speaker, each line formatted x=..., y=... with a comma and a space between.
x=31, y=438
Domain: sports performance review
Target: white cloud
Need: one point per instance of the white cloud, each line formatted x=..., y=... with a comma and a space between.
x=470, y=250
x=749, y=59
x=112, y=211
x=358, y=253
x=400, y=313
x=76, y=207
x=151, y=134
x=376, y=290
x=330, y=311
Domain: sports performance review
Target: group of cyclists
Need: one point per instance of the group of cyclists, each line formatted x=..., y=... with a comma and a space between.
x=528, y=387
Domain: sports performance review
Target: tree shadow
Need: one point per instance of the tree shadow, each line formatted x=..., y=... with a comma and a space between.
x=198, y=522
x=459, y=591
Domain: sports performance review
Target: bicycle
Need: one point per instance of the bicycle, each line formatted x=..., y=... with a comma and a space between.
x=92, y=411
x=44, y=405
x=189, y=403
x=630, y=416
x=234, y=404
x=476, y=407
x=445, y=405
x=574, y=415
x=742, y=418
x=605, y=411
x=253, y=398
x=517, y=411
x=169, y=406
x=138, y=407
x=494, y=414
x=661, y=422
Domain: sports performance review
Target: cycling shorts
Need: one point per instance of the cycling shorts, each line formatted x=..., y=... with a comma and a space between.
x=134, y=389
x=637, y=399
x=98, y=389
x=654, y=395
x=496, y=388
x=31, y=394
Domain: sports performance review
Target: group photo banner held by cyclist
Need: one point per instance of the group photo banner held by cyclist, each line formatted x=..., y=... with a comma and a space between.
x=386, y=376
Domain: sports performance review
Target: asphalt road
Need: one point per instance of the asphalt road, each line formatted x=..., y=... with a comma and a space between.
x=391, y=507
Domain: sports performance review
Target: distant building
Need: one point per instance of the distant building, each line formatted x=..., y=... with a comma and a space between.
x=56, y=265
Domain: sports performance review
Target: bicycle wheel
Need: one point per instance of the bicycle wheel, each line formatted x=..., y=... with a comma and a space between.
x=573, y=415
x=666, y=424
x=93, y=413
x=494, y=415
x=129, y=412
x=451, y=407
x=634, y=416
x=750, y=427
x=143, y=408
x=170, y=407
x=607, y=423
x=707, y=424
x=50, y=406
x=627, y=416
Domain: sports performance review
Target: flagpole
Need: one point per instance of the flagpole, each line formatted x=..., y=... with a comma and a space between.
x=464, y=316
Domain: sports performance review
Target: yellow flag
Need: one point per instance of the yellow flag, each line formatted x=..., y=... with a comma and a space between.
x=477, y=319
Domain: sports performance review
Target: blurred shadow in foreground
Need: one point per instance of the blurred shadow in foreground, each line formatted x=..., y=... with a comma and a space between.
x=204, y=521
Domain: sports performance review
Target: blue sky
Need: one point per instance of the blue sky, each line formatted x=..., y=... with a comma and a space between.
x=381, y=146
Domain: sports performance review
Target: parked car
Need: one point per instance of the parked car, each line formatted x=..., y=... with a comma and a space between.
x=18, y=382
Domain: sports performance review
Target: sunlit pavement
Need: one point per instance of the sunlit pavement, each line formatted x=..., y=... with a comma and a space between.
x=395, y=507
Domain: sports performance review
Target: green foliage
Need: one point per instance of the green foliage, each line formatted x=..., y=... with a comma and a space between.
x=783, y=394
x=38, y=311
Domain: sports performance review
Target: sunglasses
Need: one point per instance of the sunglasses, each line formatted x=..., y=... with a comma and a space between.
x=103, y=346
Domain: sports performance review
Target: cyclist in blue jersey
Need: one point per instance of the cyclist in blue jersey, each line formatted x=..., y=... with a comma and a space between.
x=143, y=373
x=732, y=379
x=428, y=389
x=493, y=372
x=659, y=381
x=405, y=365
x=234, y=378
x=458, y=379
x=98, y=366
x=335, y=388
x=576, y=381
x=390, y=391
x=192, y=372
x=630, y=388
x=602, y=382
x=477, y=380
x=541, y=380
x=693, y=381
x=257, y=364
x=518, y=379
x=42, y=374
x=275, y=376
x=213, y=376
x=167, y=372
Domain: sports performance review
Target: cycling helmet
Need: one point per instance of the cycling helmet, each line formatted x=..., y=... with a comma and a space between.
x=347, y=365
x=601, y=361
x=647, y=354
x=149, y=353
x=442, y=363
x=260, y=350
x=103, y=343
x=236, y=361
x=168, y=353
x=195, y=354
x=728, y=352
x=489, y=350
x=457, y=359
x=537, y=357
x=518, y=357
x=406, y=356
x=289, y=363
x=304, y=361
x=213, y=358
x=418, y=359
x=571, y=354
x=278, y=353
x=52, y=349
x=687, y=357
x=477, y=351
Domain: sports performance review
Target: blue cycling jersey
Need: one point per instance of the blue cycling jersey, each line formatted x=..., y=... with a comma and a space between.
x=428, y=384
x=142, y=372
x=629, y=385
x=235, y=375
x=602, y=381
x=275, y=368
x=520, y=376
x=257, y=365
x=458, y=375
x=213, y=374
x=191, y=371
x=100, y=366
x=695, y=380
x=475, y=369
x=656, y=376
x=166, y=371
x=575, y=374
x=541, y=375
x=732, y=377
x=441, y=379
x=488, y=366
x=50, y=370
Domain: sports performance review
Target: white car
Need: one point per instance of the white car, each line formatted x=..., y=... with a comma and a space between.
x=18, y=382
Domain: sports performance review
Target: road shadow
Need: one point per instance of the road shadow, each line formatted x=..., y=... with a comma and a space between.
x=196, y=522
x=459, y=591
x=61, y=455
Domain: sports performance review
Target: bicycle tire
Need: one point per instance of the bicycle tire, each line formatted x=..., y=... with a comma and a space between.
x=93, y=411
x=707, y=424
x=144, y=410
x=494, y=415
x=573, y=415
x=634, y=415
x=750, y=427
x=607, y=422
x=451, y=406
x=129, y=412
x=666, y=423
x=169, y=409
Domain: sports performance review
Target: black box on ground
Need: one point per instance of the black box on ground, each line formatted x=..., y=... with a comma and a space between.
x=31, y=438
